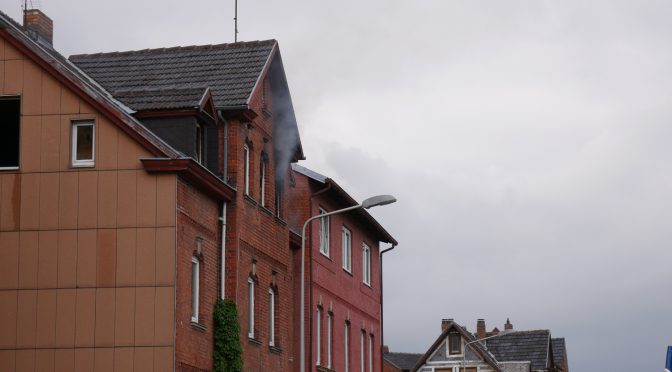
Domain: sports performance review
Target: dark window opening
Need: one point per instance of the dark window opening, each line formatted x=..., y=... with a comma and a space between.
x=10, y=112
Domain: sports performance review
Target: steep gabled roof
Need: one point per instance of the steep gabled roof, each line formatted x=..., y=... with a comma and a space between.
x=476, y=346
x=347, y=200
x=404, y=361
x=119, y=114
x=520, y=346
x=232, y=71
x=82, y=85
x=559, y=352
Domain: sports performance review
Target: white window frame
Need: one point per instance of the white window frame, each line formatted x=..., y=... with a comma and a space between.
x=195, y=288
x=330, y=323
x=324, y=234
x=362, y=354
x=371, y=352
x=250, y=307
x=262, y=191
x=346, y=347
x=346, y=243
x=73, y=144
x=318, y=339
x=366, y=264
x=246, y=169
x=271, y=314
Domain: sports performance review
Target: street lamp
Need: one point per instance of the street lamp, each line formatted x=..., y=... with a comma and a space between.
x=464, y=354
x=373, y=201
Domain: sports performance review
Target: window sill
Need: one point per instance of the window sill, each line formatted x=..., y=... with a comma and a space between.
x=349, y=272
x=8, y=169
x=84, y=165
x=323, y=369
x=266, y=210
x=253, y=341
x=198, y=326
x=275, y=349
x=249, y=199
x=325, y=255
x=280, y=221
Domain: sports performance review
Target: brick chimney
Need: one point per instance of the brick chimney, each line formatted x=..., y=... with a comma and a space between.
x=444, y=323
x=508, y=325
x=38, y=25
x=480, y=329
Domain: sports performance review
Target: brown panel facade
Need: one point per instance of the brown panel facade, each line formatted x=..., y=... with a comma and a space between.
x=82, y=249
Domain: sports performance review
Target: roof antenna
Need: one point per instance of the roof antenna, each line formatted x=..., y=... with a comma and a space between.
x=235, y=23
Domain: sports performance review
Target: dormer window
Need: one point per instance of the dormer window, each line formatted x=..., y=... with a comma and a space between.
x=454, y=344
x=198, y=149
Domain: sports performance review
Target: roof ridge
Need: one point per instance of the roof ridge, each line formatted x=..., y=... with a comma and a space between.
x=240, y=44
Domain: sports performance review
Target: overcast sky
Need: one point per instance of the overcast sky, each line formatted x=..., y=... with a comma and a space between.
x=528, y=142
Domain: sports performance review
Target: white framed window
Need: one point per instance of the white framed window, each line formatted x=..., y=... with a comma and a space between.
x=346, y=239
x=362, y=351
x=250, y=308
x=366, y=264
x=262, y=184
x=198, y=146
x=346, y=347
x=330, y=323
x=318, y=336
x=83, y=143
x=246, y=169
x=195, y=288
x=271, y=317
x=324, y=234
x=371, y=353
x=10, y=111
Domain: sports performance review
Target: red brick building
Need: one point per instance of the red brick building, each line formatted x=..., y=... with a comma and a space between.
x=344, y=295
x=138, y=188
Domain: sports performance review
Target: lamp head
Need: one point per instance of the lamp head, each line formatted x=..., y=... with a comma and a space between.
x=375, y=201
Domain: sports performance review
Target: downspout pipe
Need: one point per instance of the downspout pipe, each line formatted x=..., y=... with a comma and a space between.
x=382, y=339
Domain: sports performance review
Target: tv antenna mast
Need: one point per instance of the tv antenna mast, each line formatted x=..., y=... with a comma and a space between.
x=235, y=22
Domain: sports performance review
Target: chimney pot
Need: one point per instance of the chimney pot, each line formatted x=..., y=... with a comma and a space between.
x=444, y=323
x=38, y=25
x=480, y=329
x=508, y=324
x=386, y=349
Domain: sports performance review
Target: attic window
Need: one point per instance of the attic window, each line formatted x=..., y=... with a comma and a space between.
x=454, y=344
x=199, y=143
x=83, y=143
x=10, y=111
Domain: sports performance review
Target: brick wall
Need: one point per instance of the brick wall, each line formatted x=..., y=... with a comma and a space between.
x=258, y=244
x=197, y=224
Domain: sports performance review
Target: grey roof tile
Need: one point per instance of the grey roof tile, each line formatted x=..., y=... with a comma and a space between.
x=522, y=346
x=230, y=70
x=403, y=360
x=559, y=351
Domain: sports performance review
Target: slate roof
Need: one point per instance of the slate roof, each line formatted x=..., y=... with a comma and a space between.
x=55, y=63
x=403, y=361
x=559, y=350
x=147, y=77
x=520, y=346
x=383, y=235
x=152, y=99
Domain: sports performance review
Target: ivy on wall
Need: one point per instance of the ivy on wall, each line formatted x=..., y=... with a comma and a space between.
x=228, y=353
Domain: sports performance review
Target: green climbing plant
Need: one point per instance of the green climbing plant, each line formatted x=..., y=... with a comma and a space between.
x=227, y=353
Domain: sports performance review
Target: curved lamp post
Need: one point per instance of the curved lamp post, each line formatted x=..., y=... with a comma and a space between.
x=464, y=354
x=373, y=201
